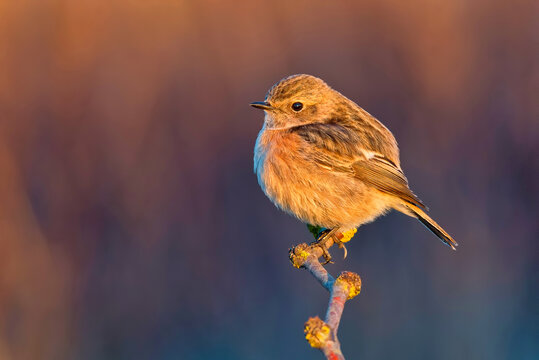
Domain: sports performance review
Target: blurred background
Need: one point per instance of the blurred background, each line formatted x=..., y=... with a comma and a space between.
x=132, y=225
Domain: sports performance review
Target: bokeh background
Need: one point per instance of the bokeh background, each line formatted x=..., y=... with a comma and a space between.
x=132, y=225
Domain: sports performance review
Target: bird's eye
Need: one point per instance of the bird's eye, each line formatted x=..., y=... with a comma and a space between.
x=297, y=106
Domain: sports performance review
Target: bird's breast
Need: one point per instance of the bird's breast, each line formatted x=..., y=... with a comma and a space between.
x=279, y=165
x=289, y=179
x=275, y=159
x=296, y=183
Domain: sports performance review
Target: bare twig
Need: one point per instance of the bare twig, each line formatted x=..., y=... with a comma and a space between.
x=320, y=334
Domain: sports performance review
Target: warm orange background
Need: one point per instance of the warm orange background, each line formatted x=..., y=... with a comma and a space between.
x=132, y=226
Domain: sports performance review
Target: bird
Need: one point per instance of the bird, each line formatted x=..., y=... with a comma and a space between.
x=323, y=159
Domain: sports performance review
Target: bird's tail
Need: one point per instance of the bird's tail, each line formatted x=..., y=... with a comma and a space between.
x=430, y=224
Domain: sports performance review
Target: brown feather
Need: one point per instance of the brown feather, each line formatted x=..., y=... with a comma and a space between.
x=429, y=224
x=331, y=163
x=386, y=178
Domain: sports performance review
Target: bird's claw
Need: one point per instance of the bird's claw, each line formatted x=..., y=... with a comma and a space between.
x=321, y=242
x=341, y=245
x=338, y=238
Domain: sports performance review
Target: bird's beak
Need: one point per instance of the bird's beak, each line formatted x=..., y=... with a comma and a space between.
x=262, y=105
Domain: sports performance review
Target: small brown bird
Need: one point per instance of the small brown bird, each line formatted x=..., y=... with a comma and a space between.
x=325, y=160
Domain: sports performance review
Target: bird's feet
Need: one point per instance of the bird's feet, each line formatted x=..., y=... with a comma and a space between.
x=322, y=242
x=342, y=237
x=323, y=237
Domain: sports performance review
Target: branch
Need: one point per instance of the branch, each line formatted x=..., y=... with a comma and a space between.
x=323, y=334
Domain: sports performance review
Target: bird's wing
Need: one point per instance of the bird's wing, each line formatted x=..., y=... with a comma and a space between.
x=382, y=174
x=341, y=149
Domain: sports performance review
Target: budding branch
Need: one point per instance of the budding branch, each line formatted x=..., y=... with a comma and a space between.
x=323, y=334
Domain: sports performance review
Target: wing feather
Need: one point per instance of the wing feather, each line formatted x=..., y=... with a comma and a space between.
x=340, y=148
x=385, y=177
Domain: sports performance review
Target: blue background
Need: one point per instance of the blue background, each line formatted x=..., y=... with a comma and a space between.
x=132, y=225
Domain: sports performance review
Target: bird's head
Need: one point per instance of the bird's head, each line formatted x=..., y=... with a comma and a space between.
x=298, y=100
